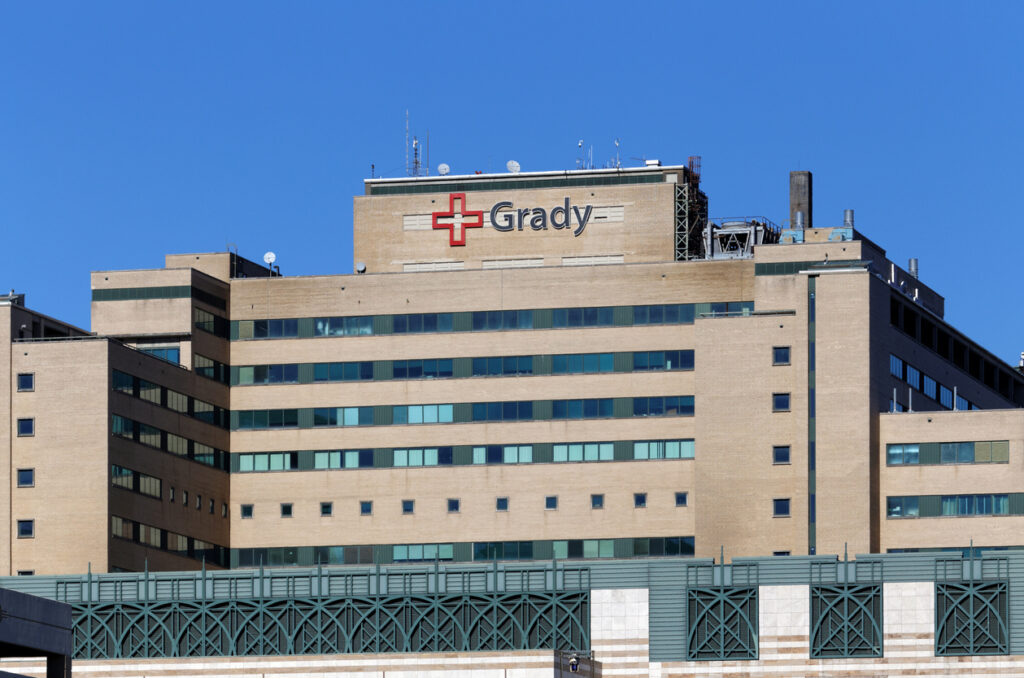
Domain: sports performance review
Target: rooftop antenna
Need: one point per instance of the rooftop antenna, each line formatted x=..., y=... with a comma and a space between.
x=618, y=164
x=580, y=159
x=407, y=141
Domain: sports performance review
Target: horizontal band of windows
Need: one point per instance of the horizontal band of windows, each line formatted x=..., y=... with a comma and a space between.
x=793, y=267
x=210, y=323
x=937, y=505
x=449, y=413
x=544, y=549
x=981, y=452
x=481, y=321
x=151, y=436
x=165, y=540
x=165, y=292
x=135, y=481
x=440, y=368
x=210, y=368
x=462, y=455
x=181, y=403
x=513, y=184
x=922, y=383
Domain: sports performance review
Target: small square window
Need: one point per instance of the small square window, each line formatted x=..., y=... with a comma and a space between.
x=408, y=506
x=501, y=504
x=286, y=510
x=247, y=510
x=550, y=503
x=780, y=553
x=26, y=573
x=26, y=427
x=453, y=506
x=780, y=508
x=597, y=501
x=326, y=509
x=780, y=402
x=680, y=499
x=366, y=508
x=26, y=382
x=780, y=355
x=26, y=529
x=639, y=500
x=780, y=454
x=26, y=477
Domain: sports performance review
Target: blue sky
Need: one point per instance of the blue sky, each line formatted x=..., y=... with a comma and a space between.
x=133, y=129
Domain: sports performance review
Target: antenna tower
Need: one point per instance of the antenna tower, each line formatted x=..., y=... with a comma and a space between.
x=417, y=167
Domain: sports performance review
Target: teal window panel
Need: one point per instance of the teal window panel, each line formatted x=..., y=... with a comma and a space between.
x=1016, y=500
x=462, y=368
x=930, y=453
x=542, y=364
x=234, y=420
x=622, y=316
x=623, y=362
x=234, y=375
x=382, y=415
x=462, y=321
x=929, y=505
x=542, y=549
x=622, y=407
x=542, y=453
x=306, y=460
x=383, y=553
x=462, y=455
x=383, y=370
x=305, y=373
x=462, y=552
x=305, y=328
x=383, y=457
x=233, y=333
x=623, y=450
x=462, y=412
x=305, y=415
x=542, y=318
x=623, y=548
x=383, y=324
x=542, y=409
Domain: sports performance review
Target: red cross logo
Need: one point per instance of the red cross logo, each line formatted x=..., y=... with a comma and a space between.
x=457, y=220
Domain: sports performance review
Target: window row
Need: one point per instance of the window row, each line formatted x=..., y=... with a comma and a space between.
x=453, y=505
x=135, y=481
x=447, y=413
x=166, y=292
x=136, y=431
x=478, y=321
x=981, y=452
x=210, y=368
x=156, y=394
x=213, y=324
x=543, y=549
x=171, y=354
x=165, y=540
x=935, y=505
x=440, y=368
x=463, y=455
x=921, y=382
x=211, y=504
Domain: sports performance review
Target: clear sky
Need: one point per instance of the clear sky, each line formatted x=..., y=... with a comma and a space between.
x=133, y=129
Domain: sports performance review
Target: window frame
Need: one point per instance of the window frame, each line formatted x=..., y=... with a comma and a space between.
x=497, y=504
x=31, y=523
x=775, y=455
x=551, y=502
x=684, y=496
x=454, y=505
x=597, y=502
x=287, y=509
x=327, y=509
x=775, y=355
x=365, y=507
x=775, y=402
x=639, y=500
x=32, y=382
x=31, y=421
x=31, y=471
x=408, y=507
x=777, y=505
x=246, y=511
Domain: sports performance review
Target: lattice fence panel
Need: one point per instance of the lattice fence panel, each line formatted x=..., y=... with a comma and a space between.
x=971, y=618
x=846, y=620
x=721, y=623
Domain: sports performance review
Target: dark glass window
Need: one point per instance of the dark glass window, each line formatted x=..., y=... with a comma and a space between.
x=408, y=506
x=247, y=510
x=640, y=500
x=286, y=510
x=780, y=454
x=26, y=477
x=26, y=529
x=365, y=508
x=26, y=382
x=551, y=503
x=597, y=501
x=780, y=402
x=453, y=505
x=26, y=427
x=780, y=507
x=681, y=498
x=326, y=509
x=780, y=355
x=501, y=504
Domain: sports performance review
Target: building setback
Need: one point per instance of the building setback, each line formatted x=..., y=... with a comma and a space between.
x=534, y=366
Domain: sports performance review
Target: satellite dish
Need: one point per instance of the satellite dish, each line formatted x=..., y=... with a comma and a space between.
x=269, y=258
x=512, y=166
x=360, y=267
x=443, y=169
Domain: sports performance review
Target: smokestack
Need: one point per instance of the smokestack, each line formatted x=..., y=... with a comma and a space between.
x=848, y=218
x=912, y=268
x=800, y=198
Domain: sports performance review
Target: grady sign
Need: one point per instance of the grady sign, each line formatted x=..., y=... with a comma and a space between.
x=506, y=217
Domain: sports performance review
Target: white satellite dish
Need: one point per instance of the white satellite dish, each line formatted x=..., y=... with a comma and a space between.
x=512, y=166
x=443, y=169
x=269, y=258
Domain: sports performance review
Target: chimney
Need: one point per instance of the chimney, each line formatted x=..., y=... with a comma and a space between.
x=913, y=268
x=848, y=218
x=800, y=199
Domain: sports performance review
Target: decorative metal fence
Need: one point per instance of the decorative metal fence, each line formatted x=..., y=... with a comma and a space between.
x=971, y=606
x=410, y=611
x=846, y=621
x=722, y=622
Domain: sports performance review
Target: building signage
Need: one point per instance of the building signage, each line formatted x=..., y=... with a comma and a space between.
x=505, y=217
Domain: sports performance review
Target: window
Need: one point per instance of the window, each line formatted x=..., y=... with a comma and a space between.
x=780, y=508
x=170, y=494
x=501, y=504
x=199, y=502
x=326, y=509
x=453, y=506
x=224, y=510
x=286, y=510
x=26, y=427
x=26, y=573
x=895, y=366
x=780, y=553
x=213, y=505
x=780, y=454
x=366, y=508
x=597, y=501
x=27, y=382
x=408, y=506
x=184, y=497
x=247, y=510
x=780, y=402
x=550, y=503
x=26, y=477
x=680, y=498
x=780, y=355
x=26, y=529
x=639, y=500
